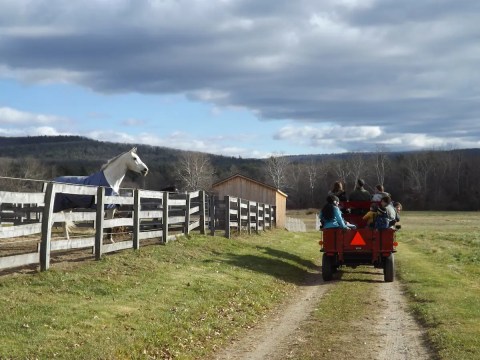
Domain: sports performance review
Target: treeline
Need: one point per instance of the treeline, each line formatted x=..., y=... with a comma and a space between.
x=427, y=180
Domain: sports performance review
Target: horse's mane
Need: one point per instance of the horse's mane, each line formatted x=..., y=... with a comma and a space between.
x=115, y=158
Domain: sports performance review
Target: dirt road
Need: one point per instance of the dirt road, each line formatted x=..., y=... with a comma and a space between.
x=394, y=333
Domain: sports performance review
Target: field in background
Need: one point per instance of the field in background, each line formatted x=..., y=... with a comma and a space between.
x=439, y=263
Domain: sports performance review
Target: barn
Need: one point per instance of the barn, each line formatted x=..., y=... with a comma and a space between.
x=249, y=189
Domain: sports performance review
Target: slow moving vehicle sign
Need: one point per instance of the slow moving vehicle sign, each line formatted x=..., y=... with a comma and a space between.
x=358, y=240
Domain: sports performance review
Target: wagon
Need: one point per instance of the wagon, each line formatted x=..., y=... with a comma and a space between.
x=361, y=246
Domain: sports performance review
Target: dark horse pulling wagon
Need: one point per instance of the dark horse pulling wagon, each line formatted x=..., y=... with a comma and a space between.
x=361, y=246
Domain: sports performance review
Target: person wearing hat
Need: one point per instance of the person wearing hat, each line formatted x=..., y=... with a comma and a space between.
x=331, y=216
x=359, y=194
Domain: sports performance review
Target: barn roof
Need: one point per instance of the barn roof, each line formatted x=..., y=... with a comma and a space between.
x=251, y=180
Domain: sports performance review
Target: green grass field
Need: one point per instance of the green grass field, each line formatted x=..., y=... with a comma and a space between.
x=439, y=263
x=188, y=298
x=182, y=300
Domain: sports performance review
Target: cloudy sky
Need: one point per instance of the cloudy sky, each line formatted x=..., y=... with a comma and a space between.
x=244, y=77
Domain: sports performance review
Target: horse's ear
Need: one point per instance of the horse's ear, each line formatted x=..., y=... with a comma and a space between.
x=134, y=149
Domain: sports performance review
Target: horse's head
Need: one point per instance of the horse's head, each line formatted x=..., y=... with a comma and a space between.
x=134, y=163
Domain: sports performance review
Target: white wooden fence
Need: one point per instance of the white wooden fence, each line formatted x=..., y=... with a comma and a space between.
x=295, y=225
x=149, y=215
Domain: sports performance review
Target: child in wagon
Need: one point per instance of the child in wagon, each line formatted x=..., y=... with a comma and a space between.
x=371, y=215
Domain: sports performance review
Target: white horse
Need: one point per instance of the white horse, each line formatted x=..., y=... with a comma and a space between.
x=110, y=176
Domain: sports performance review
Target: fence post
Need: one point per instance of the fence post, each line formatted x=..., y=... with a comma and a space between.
x=239, y=215
x=202, y=211
x=249, y=219
x=165, y=218
x=227, y=216
x=266, y=219
x=263, y=217
x=99, y=223
x=212, y=215
x=187, y=214
x=270, y=217
x=257, y=217
x=47, y=227
x=136, y=219
x=274, y=214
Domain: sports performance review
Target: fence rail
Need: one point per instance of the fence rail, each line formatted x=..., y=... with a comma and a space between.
x=146, y=214
x=295, y=225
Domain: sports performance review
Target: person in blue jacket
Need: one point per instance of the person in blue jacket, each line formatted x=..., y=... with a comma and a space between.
x=331, y=216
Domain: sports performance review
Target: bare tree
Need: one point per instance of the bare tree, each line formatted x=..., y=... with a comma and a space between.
x=356, y=163
x=454, y=163
x=294, y=177
x=312, y=172
x=419, y=166
x=195, y=171
x=23, y=171
x=342, y=170
x=381, y=164
x=276, y=168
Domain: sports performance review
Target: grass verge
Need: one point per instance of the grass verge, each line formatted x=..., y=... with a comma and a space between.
x=182, y=300
x=439, y=263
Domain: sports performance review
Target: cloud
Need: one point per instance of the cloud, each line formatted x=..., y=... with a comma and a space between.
x=133, y=122
x=424, y=141
x=406, y=68
x=332, y=138
x=31, y=131
x=10, y=116
x=15, y=122
x=182, y=141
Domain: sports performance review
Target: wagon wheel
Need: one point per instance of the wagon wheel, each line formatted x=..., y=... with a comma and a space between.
x=335, y=265
x=327, y=266
x=389, y=268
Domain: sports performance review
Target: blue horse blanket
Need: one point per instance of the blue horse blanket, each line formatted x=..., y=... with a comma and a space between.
x=72, y=201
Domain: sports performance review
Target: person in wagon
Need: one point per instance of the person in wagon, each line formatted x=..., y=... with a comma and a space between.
x=359, y=194
x=338, y=191
x=386, y=214
x=398, y=208
x=331, y=216
x=371, y=215
x=379, y=193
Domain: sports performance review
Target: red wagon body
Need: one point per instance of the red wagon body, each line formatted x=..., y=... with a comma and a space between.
x=361, y=246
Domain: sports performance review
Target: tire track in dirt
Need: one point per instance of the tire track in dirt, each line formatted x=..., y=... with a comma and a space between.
x=393, y=331
x=399, y=334
x=271, y=339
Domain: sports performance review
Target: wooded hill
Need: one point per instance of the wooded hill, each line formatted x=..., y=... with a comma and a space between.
x=75, y=155
x=426, y=180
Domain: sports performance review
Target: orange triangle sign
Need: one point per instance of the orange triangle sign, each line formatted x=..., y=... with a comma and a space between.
x=358, y=240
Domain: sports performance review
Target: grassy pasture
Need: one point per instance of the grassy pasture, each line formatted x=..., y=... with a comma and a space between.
x=187, y=298
x=439, y=263
x=182, y=300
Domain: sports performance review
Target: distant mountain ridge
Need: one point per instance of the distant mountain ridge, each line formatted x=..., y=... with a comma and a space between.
x=77, y=155
x=421, y=180
x=50, y=147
